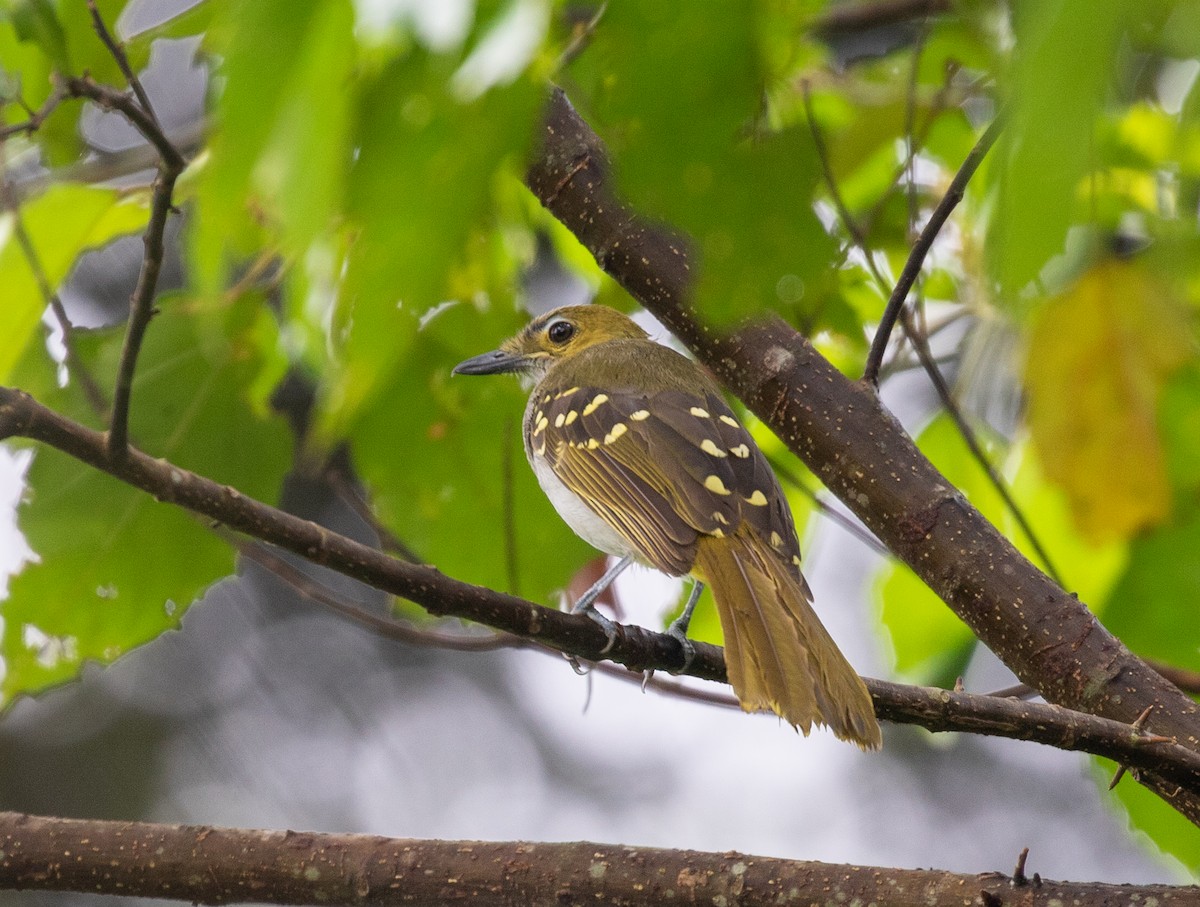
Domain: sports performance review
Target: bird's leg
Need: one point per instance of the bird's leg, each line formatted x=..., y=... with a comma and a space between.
x=679, y=626
x=587, y=601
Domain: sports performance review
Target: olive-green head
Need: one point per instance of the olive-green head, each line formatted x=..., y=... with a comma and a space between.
x=551, y=338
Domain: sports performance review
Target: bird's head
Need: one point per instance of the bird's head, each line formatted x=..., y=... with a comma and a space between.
x=551, y=338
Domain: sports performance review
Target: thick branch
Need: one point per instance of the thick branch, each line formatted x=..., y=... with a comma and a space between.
x=861, y=453
x=636, y=648
x=207, y=865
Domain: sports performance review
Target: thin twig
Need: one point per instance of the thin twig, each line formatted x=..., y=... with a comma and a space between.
x=382, y=624
x=118, y=53
x=91, y=389
x=916, y=258
x=108, y=98
x=581, y=38
x=895, y=308
x=36, y=117
x=141, y=302
x=345, y=487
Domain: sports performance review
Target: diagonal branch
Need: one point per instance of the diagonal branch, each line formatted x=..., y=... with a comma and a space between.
x=212, y=865
x=856, y=447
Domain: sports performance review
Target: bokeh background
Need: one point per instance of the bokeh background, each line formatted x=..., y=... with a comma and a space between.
x=265, y=709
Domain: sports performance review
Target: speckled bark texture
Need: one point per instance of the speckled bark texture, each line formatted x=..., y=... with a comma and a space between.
x=842, y=431
x=206, y=865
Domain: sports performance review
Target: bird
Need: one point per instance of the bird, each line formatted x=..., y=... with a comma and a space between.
x=636, y=448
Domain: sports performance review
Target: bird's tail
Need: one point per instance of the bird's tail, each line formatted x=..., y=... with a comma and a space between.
x=778, y=655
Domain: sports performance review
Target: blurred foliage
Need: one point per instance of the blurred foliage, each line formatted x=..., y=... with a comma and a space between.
x=356, y=215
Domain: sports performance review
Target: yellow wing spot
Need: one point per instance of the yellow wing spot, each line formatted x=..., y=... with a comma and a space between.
x=593, y=443
x=542, y=422
x=640, y=416
x=546, y=399
x=717, y=534
x=699, y=412
x=758, y=499
x=720, y=518
x=710, y=448
x=796, y=559
x=597, y=401
x=617, y=430
x=559, y=420
x=776, y=540
x=566, y=393
x=715, y=485
x=541, y=451
x=571, y=417
x=729, y=420
x=741, y=450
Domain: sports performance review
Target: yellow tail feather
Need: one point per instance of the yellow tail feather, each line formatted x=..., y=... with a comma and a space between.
x=778, y=655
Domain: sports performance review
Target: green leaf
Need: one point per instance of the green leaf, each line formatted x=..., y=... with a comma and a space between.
x=263, y=60
x=1156, y=597
x=422, y=179
x=930, y=643
x=683, y=138
x=62, y=223
x=1066, y=55
x=443, y=459
x=37, y=22
x=86, y=52
x=1151, y=818
x=116, y=568
x=1179, y=418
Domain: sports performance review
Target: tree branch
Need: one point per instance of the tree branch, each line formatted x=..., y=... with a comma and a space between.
x=636, y=648
x=209, y=865
x=856, y=447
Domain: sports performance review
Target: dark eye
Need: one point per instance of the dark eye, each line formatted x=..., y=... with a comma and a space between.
x=560, y=332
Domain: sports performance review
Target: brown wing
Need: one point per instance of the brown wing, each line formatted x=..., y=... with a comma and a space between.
x=682, y=460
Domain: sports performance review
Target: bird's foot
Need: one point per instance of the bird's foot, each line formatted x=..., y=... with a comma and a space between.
x=610, y=628
x=679, y=627
x=678, y=632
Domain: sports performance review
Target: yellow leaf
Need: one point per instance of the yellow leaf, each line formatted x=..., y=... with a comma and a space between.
x=1098, y=357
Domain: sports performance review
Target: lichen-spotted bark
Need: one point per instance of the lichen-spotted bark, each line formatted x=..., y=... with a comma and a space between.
x=209, y=865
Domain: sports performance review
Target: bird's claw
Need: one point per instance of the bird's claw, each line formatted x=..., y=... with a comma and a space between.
x=610, y=628
x=678, y=632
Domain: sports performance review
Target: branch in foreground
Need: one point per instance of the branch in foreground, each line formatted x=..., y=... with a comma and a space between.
x=208, y=865
x=636, y=648
x=1046, y=636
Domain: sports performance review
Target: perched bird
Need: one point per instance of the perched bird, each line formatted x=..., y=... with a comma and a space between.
x=636, y=448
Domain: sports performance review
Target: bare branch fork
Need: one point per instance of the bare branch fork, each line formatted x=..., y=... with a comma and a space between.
x=916, y=259
x=210, y=865
x=141, y=302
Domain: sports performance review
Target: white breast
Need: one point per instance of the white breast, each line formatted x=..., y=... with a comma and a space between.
x=581, y=518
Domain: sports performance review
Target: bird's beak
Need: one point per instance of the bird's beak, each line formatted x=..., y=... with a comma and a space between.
x=494, y=363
